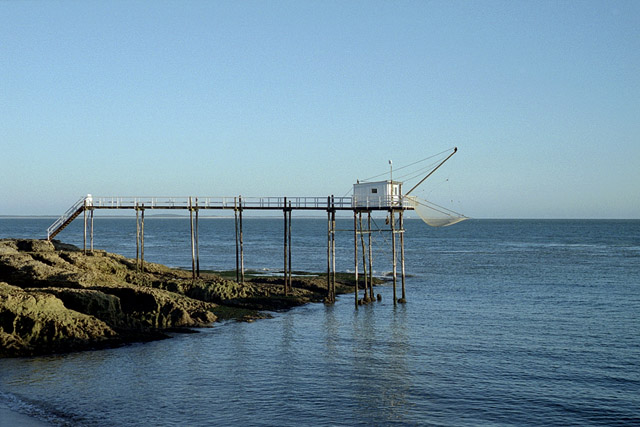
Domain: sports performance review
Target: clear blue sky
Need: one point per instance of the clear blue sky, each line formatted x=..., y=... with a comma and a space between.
x=301, y=98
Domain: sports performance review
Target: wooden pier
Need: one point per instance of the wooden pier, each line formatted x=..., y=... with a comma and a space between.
x=362, y=231
x=368, y=197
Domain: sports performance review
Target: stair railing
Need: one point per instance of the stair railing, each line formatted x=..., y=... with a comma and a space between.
x=68, y=214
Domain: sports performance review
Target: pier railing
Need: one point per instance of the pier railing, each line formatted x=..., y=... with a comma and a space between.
x=359, y=205
x=258, y=203
x=310, y=203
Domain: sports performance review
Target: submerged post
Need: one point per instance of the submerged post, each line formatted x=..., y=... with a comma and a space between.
x=331, y=250
x=197, y=242
x=235, y=216
x=403, y=299
x=286, y=240
x=137, y=238
x=333, y=247
x=141, y=238
x=241, y=242
x=393, y=245
x=328, y=250
x=193, y=241
x=355, y=253
x=370, y=258
x=364, y=261
x=195, y=249
x=290, y=249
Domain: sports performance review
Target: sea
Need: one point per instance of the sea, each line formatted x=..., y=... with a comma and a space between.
x=507, y=322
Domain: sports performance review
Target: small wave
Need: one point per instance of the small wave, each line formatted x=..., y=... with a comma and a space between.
x=34, y=410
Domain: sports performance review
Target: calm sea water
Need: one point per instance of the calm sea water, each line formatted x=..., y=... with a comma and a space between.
x=508, y=323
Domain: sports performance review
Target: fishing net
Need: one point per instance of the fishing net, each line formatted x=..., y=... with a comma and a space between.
x=432, y=214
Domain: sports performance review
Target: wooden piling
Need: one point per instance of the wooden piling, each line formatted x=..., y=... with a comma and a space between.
x=333, y=248
x=91, y=235
x=290, y=248
x=364, y=260
x=355, y=253
x=403, y=299
x=142, y=239
x=286, y=241
x=370, y=258
x=393, y=245
x=193, y=241
x=84, y=247
x=197, y=242
x=235, y=216
x=137, y=238
x=241, y=241
x=329, y=250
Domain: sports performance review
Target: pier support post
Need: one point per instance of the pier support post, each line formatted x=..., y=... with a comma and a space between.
x=137, y=238
x=355, y=254
x=333, y=247
x=240, y=239
x=403, y=299
x=364, y=261
x=91, y=235
x=235, y=216
x=195, y=251
x=331, y=250
x=370, y=258
x=140, y=238
x=394, y=256
x=328, y=250
x=197, y=241
x=286, y=247
x=290, y=248
x=84, y=247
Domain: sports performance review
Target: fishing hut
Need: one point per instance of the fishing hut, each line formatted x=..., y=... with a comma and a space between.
x=367, y=197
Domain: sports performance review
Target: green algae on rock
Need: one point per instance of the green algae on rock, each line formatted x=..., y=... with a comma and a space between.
x=56, y=298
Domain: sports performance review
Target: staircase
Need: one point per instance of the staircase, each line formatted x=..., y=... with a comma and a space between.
x=71, y=214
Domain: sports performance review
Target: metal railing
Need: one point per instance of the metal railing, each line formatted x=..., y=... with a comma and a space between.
x=377, y=202
x=319, y=203
x=310, y=203
x=132, y=202
x=65, y=216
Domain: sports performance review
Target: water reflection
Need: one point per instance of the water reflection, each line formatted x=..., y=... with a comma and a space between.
x=381, y=374
x=331, y=331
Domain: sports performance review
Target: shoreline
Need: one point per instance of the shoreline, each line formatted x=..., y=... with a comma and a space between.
x=105, y=289
x=58, y=299
x=12, y=418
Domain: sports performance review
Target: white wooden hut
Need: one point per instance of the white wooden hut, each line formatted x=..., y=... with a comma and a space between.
x=378, y=194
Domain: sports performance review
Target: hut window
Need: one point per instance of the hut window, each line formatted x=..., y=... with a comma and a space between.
x=374, y=190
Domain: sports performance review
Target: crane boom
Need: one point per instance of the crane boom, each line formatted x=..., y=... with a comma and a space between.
x=455, y=149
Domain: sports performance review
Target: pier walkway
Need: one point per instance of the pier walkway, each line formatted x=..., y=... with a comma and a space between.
x=359, y=205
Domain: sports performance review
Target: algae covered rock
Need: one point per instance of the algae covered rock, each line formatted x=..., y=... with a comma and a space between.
x=38, y=322
x=55, y=298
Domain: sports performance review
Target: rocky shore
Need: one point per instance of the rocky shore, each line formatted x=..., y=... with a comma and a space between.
x=54, y=298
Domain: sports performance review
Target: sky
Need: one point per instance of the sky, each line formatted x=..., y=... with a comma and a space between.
x=302, y=98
